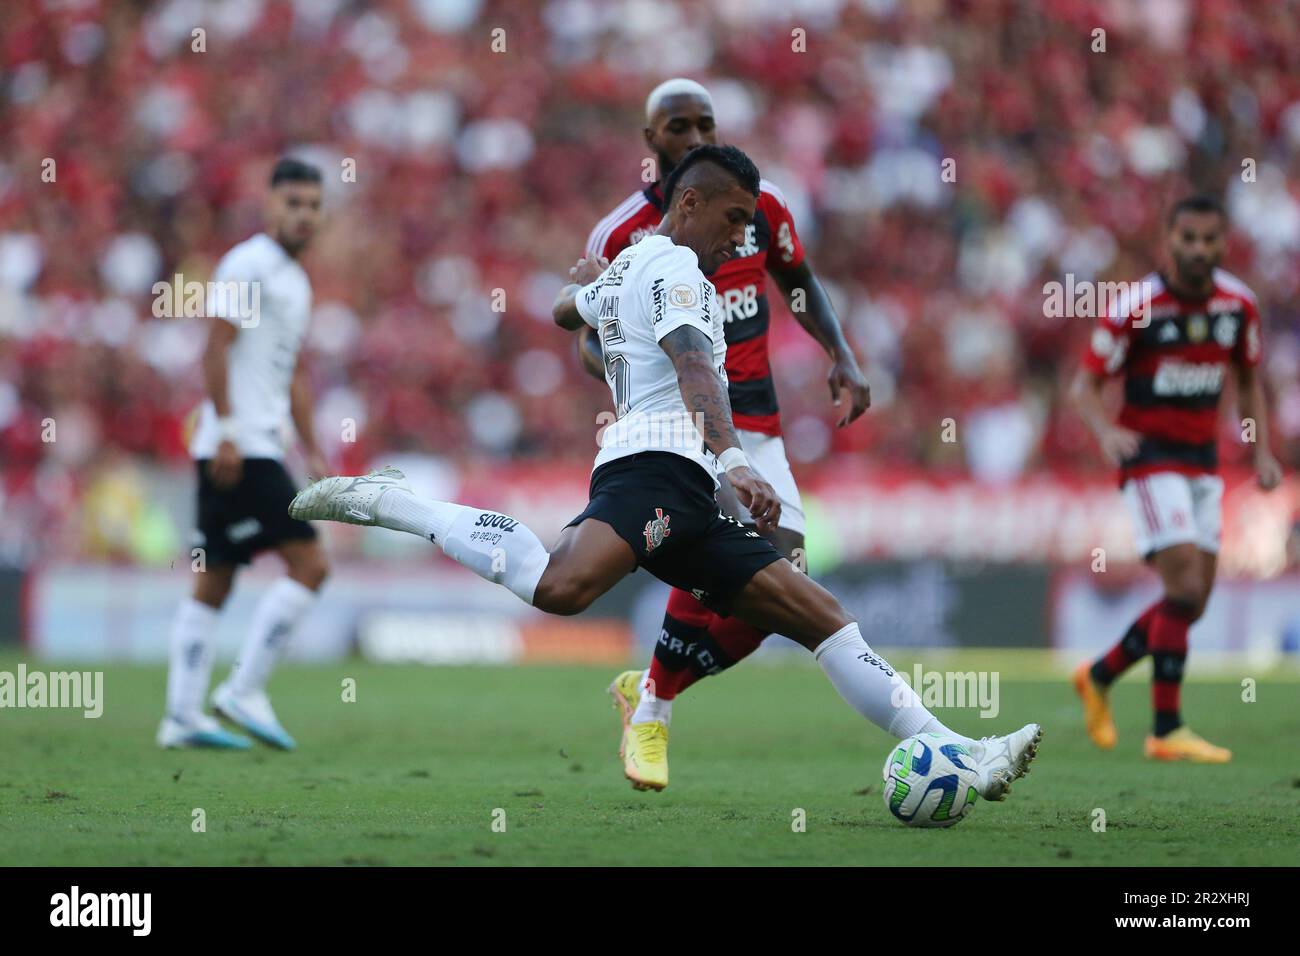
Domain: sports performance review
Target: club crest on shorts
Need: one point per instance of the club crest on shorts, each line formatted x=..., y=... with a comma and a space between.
x=656, y=530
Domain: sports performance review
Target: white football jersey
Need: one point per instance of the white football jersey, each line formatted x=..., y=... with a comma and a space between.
x=649, y=290
x=265, y=352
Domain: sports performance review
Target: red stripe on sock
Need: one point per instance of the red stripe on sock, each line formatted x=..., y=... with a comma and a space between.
x=666, y=684
x=683, y=606
x=736, y=638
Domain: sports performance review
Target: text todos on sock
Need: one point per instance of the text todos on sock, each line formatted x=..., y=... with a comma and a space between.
x=133, y=910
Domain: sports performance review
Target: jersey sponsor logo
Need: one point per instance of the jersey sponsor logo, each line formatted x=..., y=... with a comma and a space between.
x=640, y=233
x=489, y=520
x=750, y=248
x=785, y=242
x=1225, y=330
x=608, y=307
x=656, y=530
x=681, y=296
x=739, y=304
x=1188, y=378
x=657, y=300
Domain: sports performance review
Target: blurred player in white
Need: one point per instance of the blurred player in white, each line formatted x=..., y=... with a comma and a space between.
x=255, y=384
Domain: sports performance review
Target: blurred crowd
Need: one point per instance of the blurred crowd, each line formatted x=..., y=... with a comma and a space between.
x=943, y=158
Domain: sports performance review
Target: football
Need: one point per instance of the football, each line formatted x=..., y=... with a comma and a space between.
x=930, y=781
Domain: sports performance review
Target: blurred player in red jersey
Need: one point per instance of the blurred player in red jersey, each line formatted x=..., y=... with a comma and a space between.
x=1174, y=344
x=694, y=641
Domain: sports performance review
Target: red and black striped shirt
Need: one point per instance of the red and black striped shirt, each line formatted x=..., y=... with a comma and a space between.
x=1174, y=354
x=771, y=243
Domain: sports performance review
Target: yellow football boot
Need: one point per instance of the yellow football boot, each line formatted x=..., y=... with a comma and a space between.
x=645, y=755
x=1096, y=708
x=626, y=691
x=1182, y=744
x=643, y=747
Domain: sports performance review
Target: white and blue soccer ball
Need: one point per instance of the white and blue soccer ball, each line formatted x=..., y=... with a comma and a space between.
x=930, y=781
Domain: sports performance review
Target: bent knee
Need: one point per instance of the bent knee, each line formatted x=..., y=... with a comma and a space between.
x=565, y=595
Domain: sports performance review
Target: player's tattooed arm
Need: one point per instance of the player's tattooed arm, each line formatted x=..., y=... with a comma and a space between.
x=702, y=388
x=705, y=396
x=811, y=307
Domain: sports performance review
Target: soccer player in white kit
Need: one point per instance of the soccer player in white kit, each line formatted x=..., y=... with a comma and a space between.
x=653, y=489
x=259, y=304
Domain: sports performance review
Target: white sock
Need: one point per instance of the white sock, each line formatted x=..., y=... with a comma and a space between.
x=869, y=685
x=190, y=658
x=492, y=545
x=274, y=620
x=651, y=707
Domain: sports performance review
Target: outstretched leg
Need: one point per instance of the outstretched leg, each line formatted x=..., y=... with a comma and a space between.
x=780, y=599
x=587, y=561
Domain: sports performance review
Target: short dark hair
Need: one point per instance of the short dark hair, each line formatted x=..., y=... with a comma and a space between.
x=730, y=159
x=289, y=170
x=1200, y=202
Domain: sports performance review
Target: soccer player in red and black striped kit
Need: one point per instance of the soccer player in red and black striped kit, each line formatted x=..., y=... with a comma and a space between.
x=694, y=641
x=1174, y=344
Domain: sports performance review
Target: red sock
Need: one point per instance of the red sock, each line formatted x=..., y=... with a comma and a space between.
x=736, y=638
x=1130, y=649
x=684, y=618
x=1168, y=641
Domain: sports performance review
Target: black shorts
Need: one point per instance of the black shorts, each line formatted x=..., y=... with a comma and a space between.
x=236, y=523
x=664, y=506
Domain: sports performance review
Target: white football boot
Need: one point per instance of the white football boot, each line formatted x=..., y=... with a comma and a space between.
x=198, y=731
x=1000, y=760
x=351, y=500
x=253, y=712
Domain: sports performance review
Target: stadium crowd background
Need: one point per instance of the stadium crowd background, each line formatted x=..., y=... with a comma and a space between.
x=479, y=170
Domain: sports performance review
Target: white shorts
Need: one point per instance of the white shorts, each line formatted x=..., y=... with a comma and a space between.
x=1169, y=508
x=766, y=454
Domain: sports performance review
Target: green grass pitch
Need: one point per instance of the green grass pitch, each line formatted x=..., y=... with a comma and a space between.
x=419, y=767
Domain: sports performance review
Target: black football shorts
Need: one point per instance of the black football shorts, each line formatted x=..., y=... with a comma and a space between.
x=237, y=523
x=664, y=506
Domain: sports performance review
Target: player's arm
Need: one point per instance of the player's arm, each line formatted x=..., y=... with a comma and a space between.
x=1253, y=405
x=705, y=396
x=300, y=409
x=566, y=315
x=1117, y=443
x=227, y=465
x=813, y=310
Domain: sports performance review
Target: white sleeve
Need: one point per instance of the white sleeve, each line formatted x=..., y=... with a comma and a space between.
x=230, y=291
x=676, y=293
x=586, y=301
